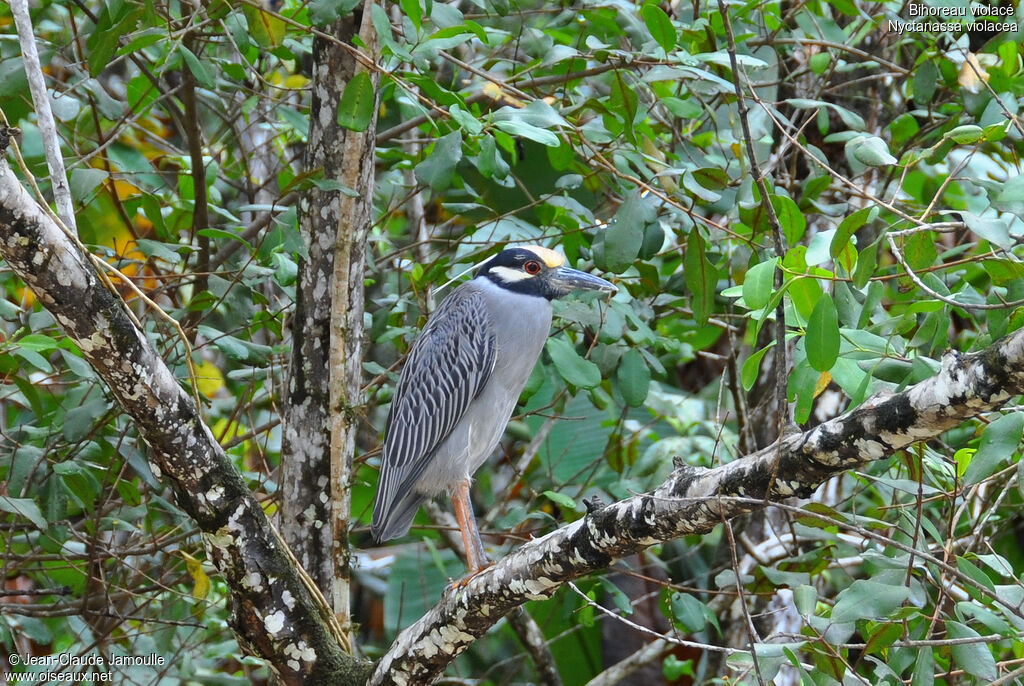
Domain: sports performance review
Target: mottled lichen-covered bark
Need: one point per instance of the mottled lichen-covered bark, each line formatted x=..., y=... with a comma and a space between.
x=694, y=500
x=333, y=225
x=271, y=610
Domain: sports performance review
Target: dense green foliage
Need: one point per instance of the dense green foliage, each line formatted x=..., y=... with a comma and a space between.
x=608, y=130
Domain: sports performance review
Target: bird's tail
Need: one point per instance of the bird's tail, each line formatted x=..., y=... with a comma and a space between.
x=395, y=519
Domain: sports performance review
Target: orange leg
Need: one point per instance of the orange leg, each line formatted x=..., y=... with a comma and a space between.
x=476, y=557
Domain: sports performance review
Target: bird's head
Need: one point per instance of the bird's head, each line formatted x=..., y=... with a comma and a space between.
x=533, y=270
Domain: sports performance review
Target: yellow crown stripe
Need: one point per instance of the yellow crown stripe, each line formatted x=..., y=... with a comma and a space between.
x=551, y=258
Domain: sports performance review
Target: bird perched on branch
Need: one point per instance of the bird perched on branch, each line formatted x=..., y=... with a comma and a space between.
x=461, y=382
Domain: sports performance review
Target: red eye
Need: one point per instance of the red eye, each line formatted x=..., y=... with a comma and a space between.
x=532, y=267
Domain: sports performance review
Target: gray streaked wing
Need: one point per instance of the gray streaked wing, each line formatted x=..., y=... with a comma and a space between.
x=448, y=366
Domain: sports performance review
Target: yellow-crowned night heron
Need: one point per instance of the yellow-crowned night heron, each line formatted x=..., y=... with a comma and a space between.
x=460, y=383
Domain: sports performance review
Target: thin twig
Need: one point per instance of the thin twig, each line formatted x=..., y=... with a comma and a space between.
x=44, y=115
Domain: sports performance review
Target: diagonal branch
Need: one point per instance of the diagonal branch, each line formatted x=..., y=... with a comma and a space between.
x=694, y=500
x=276, y=613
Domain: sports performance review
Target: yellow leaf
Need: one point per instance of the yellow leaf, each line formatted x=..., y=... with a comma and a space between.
x=823, y=382
x=195, y=569
x=209, y=378
x=972, y=74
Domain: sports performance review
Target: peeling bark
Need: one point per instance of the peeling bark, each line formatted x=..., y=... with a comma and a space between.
x=272, y=611
x=694, y=500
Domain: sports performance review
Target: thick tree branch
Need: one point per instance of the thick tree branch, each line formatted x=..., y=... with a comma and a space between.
x=272, y=609
x=694, y=500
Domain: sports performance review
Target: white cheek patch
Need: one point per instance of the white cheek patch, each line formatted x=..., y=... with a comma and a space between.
x=510, y=275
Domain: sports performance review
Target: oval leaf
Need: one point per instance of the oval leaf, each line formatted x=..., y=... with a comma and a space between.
x=634, y=378
x=757, y=286
x=660, y=26
x=355, y=111
x=822, y=340
x=573, y=368
x=999, y=441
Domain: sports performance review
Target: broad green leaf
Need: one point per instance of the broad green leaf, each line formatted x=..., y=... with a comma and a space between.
x=268, y=30
x=701, y=277
x=999, y=442
x=490, y=161
x=438, y=169
x=791, y=219
x=924, y=668
x=805, y=597
x=634, y=378
x=966, y=134
x=84, y=181
x=625, y=234
x=24, y=507
x=993, y=230
x=758, y=284
x=848, y=226
x=561, y=500
x=870, y=150
x=571, y=366
x=534, y=133
x=413, y=11
x=926, y=80
x=751, y=367
x=974, y=658
x=822, y=340
x=356, y=109
x=37, y=341
x=868, y=599
x=660, y=26
x=197, y=68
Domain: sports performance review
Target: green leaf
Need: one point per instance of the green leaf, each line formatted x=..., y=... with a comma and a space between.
x=264, y=27
x=571, y=366
x=870, y=150
x=701, y=277
x=413, y=10
x=974, y=658
x=759, y=283
x=490, y=161
x=805, y=597
x=84, y=181
x=197, y=68
x=356, y=109
x=561, y=500
x=660, y=26
x=924, y=668
x=966, y=134
x=634, y=378
x=926, y=80
x=527, y=130
x=867, y=599
x=25, y=507
x=822, y=340
x=438, y=169
x=848, y=226
x=791, y=219
x=37, y=341
x=625, y=234
x=751, y=366
x=999, y=442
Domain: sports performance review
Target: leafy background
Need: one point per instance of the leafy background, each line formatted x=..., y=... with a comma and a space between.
x=612, y=131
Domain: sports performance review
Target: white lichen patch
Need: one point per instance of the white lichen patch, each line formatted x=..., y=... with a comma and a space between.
x=215, y=494
x=288, y=599
x=300, y=651
x=253, y=581
x=274, y=623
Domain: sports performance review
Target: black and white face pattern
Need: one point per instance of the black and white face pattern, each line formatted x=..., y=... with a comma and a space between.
x=525, y=270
